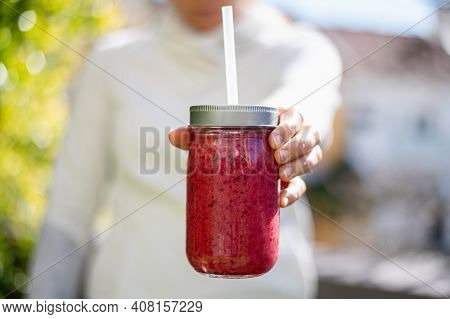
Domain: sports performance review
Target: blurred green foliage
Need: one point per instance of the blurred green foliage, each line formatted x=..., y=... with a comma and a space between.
x=35, y=69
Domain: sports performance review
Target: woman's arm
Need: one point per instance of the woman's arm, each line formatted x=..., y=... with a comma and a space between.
x=76, y=189
x=311, y=82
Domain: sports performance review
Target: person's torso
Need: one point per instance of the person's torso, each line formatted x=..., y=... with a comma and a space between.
x=144, y=256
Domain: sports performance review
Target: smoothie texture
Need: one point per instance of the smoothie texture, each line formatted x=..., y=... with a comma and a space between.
x=232, y=202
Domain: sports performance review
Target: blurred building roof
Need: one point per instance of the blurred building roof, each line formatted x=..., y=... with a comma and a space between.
x=403, y=54
x=381, y=16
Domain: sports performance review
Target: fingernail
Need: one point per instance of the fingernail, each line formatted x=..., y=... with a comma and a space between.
x=287, y=171
x=284, y=201
x=169, y=135
x=283, y=154
x=277, y=140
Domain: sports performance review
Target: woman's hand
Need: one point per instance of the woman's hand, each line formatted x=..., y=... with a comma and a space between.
x=296, y=148
x=297, y=151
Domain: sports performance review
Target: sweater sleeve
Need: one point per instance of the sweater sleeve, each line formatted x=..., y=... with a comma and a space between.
x=76, y=189
x=311, y=80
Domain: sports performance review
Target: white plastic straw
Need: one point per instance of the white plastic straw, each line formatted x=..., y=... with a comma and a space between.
x=230, y=55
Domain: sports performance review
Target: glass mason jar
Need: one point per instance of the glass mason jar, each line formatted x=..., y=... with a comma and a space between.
x=232, y=191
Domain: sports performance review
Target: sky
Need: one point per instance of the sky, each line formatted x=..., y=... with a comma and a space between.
x=382, y=16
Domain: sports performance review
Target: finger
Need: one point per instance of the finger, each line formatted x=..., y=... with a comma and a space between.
x=301, y=165
x=302, y=143
x=291, y=121
x=180, y=137
x=295, y=189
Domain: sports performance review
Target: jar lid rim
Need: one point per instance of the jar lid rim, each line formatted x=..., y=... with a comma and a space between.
x=234, y=107
x=233, y=115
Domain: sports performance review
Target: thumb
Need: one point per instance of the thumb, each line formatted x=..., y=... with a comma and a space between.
x=180, y=137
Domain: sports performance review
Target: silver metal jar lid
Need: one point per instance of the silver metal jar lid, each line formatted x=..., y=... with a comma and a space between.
x=233, y=115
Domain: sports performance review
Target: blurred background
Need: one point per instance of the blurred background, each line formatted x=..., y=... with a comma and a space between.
x=381, y=199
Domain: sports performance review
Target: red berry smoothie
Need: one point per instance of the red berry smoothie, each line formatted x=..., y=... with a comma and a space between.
x=232, y=202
